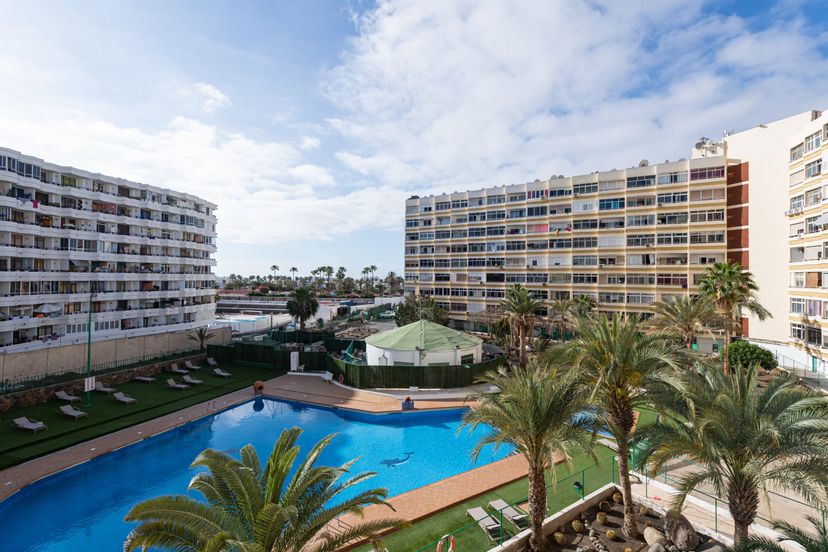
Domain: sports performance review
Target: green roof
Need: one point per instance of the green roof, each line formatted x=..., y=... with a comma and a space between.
x=435, y=338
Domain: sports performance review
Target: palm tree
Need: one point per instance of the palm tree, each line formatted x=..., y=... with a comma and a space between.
x=201, y=336
x=329, y=271
x=274, y=269
x=584, y=304
x=520, y=306
x=294, y=270
x=816, y=542
x=744, y=439
x=733, y=290
x=302, y=305
x=373, y=269
x=540, y=412
x=621, y=365
x=563, y=312
x=365, y=272
x=685, y=316
x=252, y=507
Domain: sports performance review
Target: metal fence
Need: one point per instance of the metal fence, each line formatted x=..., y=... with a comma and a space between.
x=363, y=376
x=812, y=377
x=14, y=385
x=565, y=492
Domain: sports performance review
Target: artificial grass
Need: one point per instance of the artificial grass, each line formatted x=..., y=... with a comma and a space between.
x=467, y=534
x=107, y=415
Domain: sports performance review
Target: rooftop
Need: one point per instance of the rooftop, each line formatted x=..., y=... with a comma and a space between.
x=434, y=338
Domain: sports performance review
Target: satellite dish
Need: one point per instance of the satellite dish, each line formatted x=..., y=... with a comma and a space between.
x=643, y=163
x=560, y=176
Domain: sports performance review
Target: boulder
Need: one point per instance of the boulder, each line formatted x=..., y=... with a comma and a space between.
x=711, y=546
x=657, y=547
x=680, y=532
x=654, y=536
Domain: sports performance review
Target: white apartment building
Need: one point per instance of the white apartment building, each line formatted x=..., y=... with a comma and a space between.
x=138, y=256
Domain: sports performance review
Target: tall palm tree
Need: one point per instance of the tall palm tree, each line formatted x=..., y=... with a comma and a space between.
x=520, y=306
x=329, y=272
x=365, y=272
x=258, y=508
x=733, y=290
x=744, y=440
x=563, y=313
x=584, y=304
x=684, y=316
x=540, y=412
x=373, y=269
x=621, y=364
x=293, y=271
x=815, y=542
x=302, y=305
x=274, y=269
x=201, y=336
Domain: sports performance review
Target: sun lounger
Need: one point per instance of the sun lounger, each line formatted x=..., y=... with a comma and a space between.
x=191, y=381
x=72, y=412
x=486, y=522
x=102, y=388
x=172, y=384
x=518, y=518
x=121, y=398
x=212, y=362
x=144, y=379
x=190, y=366
x=176, y=370
x=221, y=373
x=64, y=396
x=31, y=425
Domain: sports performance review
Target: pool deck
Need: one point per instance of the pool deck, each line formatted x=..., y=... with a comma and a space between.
x=412, y=505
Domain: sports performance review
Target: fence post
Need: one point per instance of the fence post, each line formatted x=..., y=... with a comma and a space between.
x=715, y=514
x=583, y=484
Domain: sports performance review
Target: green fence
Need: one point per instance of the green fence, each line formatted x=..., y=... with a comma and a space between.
x=15, y=385
x=363, y=376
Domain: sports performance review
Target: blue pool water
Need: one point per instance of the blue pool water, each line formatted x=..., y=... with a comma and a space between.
x=83, y=508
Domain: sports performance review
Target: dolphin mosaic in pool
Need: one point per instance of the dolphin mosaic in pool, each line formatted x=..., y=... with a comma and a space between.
x=394, y=462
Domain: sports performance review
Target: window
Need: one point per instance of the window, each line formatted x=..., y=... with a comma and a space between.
x=585, y=224
x=477, y=217
x=672, y=218
x=813, y=168
x=495, y=230
x=585, y=278
x=584, y=242
x=707, y=173
x=442, y=206
x=812, y=224
x=797, y=202
x=560, y=192
x=672, y=239
x=813, y=141
x=513, y=213
x=813, y=197
x=609, y=185
x=537, y=194
x=536, y=211
x=797, y=331
x=459, y=204
x=495, y=215
x=476, y=202
x=797, y=306
x=589, y=188
x=640, y=181
x=640, y=220
x=797, y=152
x=675, y=280
x=710, y=215
x=584, y=260
x=495, y=200
x=640, y=240
x=707, y=195
x=674, y=197
x=517, y=197
x=641, y=201
x=797, y=178
x=608, y=204
x=707, y=237
x=672, y=177
x=813, y=335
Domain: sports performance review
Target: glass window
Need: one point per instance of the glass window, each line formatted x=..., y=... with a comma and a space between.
x=707, y=173
x=813, y=141
x=797, y=152
x=813, y=168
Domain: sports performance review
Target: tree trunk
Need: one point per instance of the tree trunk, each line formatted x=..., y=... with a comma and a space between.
x=743, y=503
x=630, y=529
x=726, y=364
x=522, y=340
x=537, y=508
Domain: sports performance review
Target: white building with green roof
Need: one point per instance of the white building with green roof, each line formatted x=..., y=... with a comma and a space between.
x=423, y=343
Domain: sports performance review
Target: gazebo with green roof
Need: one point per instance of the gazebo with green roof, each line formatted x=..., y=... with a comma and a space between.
x=423, y=343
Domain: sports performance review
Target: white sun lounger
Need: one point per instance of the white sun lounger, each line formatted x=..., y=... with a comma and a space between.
x=518, y=518
x=72, y=412
x=31, y=425
x=121, y=398
x=486, y=522
x=64, y=396
x=221, y=373
x=191, y=381
x=190, y=366
x=144, y=379
x=172, y=384
x=212, y=362
x=176, y=370
x=102, y=388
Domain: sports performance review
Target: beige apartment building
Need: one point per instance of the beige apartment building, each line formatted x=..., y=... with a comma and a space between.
x=627, y=238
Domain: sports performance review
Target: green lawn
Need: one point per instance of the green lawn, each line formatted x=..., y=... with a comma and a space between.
x=469, y=536
x=106, y=415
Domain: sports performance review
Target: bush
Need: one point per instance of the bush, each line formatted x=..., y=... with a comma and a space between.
x=746, y=354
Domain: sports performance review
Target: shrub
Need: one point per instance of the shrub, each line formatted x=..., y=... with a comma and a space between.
x=746, y=354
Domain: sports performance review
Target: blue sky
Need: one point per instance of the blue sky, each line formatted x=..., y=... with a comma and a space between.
x=310, y=122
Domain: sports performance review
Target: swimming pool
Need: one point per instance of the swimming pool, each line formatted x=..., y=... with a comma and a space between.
x=82, y=508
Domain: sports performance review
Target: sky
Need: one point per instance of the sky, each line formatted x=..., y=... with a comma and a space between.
x=310, y=122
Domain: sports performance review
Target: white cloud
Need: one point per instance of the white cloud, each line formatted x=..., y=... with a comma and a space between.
x=310, y=143
x=464, y=94
x=211, y=97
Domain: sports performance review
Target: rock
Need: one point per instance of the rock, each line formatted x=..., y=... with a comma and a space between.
x=680, y=532
x=654, y=536
x=711, y=546
x=657, y=547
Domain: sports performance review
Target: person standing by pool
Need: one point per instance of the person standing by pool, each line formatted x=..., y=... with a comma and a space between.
x=408, y=404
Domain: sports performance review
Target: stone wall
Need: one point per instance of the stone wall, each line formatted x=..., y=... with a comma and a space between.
x=57, y=358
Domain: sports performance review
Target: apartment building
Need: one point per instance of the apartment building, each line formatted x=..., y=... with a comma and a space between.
x=626, y=238
x=138, y=256
x=808, y=240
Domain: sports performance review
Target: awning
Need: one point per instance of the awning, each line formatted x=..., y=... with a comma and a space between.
x=48, y=308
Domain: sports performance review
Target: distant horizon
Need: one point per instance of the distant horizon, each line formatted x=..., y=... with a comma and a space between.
x=310, y=124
